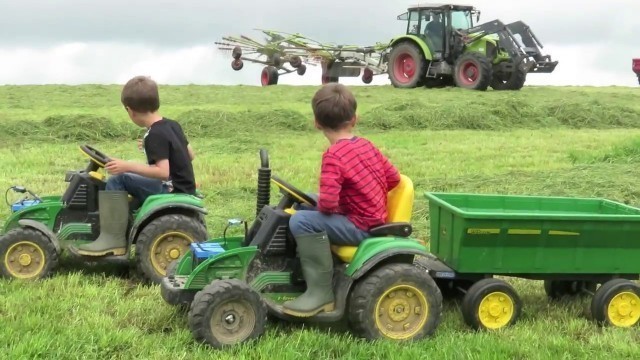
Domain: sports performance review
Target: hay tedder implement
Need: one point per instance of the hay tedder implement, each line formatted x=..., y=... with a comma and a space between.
x=441, y=46
x=636, y=67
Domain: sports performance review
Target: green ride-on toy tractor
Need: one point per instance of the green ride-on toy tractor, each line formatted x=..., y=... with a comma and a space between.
x=230, y=284
x=40, y=228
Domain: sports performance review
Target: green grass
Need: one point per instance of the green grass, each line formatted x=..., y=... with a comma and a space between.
x=539, y=141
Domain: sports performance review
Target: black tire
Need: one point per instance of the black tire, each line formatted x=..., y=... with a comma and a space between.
x=27, y=254
x=407, y=65
x=473, y=71
x=557, y=289
x=237, y=65
x=490, y=290
x=367, y=76
x=301, y=70
x=369, y=293
x=295, y=61
x=236, y=53
x=180, y=299
x=617, y=295
x=512, y=81
x=188, y=229
x=269, y=76
x=214, y=300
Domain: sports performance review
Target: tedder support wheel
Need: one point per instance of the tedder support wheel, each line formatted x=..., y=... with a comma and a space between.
x=557, y=289
x=165, y=239
x=511, y=81
x=269, y=76
x=407, y=65
x=397, y=302
x=617, y=303
x=227, y=312
x=491, y=304
x=473, y=71
x=27, y=254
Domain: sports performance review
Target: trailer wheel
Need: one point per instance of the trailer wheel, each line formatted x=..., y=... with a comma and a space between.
x=491, y=304
x=407, y=65
x=269, y=76
x=227, y=312
x=557, y=289
x=617, y=303
x=473, y=71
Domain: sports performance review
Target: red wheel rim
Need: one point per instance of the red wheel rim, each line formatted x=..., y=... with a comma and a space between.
x=264, y=78
x=469, y=73
x=404, y=68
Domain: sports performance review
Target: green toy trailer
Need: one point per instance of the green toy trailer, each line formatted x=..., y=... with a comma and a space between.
x=573, y=244
x=40, y=228
x=230, y=284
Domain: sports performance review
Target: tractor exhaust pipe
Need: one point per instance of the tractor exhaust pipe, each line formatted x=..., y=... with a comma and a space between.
x=264, y=182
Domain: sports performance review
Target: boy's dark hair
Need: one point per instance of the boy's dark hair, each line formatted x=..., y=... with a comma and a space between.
x=333, y=106
x=140, y=94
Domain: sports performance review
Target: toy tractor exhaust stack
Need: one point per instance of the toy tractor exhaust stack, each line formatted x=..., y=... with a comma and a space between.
x=264, y=182
x=636, y=68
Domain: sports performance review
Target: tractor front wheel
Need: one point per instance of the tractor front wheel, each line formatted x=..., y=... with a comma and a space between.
x=27, y=254
x=269, y=76
x=473, y=71
x=513, y=80
x=227, y=312
x=407, y=65
x=164, y=240
x=396, y=302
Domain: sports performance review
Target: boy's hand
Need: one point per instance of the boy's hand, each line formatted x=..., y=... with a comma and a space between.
x=117, y=166
x=140, y=144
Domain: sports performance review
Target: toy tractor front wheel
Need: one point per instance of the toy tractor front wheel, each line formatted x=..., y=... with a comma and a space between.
x=407, y=65
x=227, y=312
x=397, y=302
x=27, y=254
x=163, y=240
x=473, y=71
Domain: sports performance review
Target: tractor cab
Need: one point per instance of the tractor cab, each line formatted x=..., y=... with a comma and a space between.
x=434, y=23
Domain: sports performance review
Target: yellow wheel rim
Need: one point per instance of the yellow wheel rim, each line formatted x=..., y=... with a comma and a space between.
x=168, y=247
x=401, y=312
x=496, y=310
x=233, y=321
x=24, y=260
x=624, y=309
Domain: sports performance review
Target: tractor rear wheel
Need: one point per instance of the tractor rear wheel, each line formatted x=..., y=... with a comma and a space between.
x=407, y=65
x=165, y=239
x=27, y=254
x=396, y=302
x=510, y=81
x=227, y=312
x=473, y=71
x=269, y=76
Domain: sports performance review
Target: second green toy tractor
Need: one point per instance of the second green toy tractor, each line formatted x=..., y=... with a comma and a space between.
x=40, y=228
x=231, y=283
x=442, y=46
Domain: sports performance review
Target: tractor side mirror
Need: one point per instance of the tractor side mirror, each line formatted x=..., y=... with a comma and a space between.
x=478, y=17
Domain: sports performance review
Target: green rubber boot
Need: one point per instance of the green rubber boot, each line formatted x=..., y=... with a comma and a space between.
x=317, y=269
x=114, y=217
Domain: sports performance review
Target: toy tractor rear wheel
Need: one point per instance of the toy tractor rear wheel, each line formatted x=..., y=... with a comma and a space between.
x=473, y=71
x=227, y=312
x=165, y=239
x=396, y=301
x=510, y=81
x=407, y=65
x=617, y=303
x=269, y=76
x=491, y=304
x=27, y=254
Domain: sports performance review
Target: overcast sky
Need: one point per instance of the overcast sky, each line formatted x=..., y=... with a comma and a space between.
x=84, y=41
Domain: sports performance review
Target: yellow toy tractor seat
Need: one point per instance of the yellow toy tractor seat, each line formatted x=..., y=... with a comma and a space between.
x=399, y=207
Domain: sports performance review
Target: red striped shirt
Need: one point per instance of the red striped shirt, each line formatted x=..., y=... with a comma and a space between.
x=355, y=178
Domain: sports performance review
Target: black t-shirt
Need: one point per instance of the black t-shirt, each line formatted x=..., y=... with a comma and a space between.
x=166, y=140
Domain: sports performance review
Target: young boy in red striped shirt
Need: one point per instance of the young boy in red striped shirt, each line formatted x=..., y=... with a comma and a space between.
x=355, y=178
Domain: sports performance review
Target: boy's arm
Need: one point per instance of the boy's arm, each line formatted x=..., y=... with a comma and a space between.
x=330, y=185
x=391, y=173
x=192, y=155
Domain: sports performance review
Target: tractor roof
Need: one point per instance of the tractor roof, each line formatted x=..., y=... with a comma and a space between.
x=436, y=6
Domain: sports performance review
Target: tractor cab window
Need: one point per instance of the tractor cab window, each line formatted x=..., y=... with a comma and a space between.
x=413, y=17
x=461, y=20
x=433, y=29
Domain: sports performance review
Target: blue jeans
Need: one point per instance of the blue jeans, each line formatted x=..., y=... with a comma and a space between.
x=138, y=186
x=339, y=229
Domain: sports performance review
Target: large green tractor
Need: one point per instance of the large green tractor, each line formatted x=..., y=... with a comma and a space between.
x=442, y=46
x=231, y=283
x=40, y=228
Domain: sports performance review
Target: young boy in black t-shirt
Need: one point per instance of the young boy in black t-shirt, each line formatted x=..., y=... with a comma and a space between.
x=168, y=168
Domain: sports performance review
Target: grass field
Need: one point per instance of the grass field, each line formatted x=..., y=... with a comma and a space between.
x=539, y=141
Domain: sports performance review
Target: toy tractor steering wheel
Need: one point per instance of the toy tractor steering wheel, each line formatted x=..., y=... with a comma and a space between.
x=98, y=157
x=289, y=189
